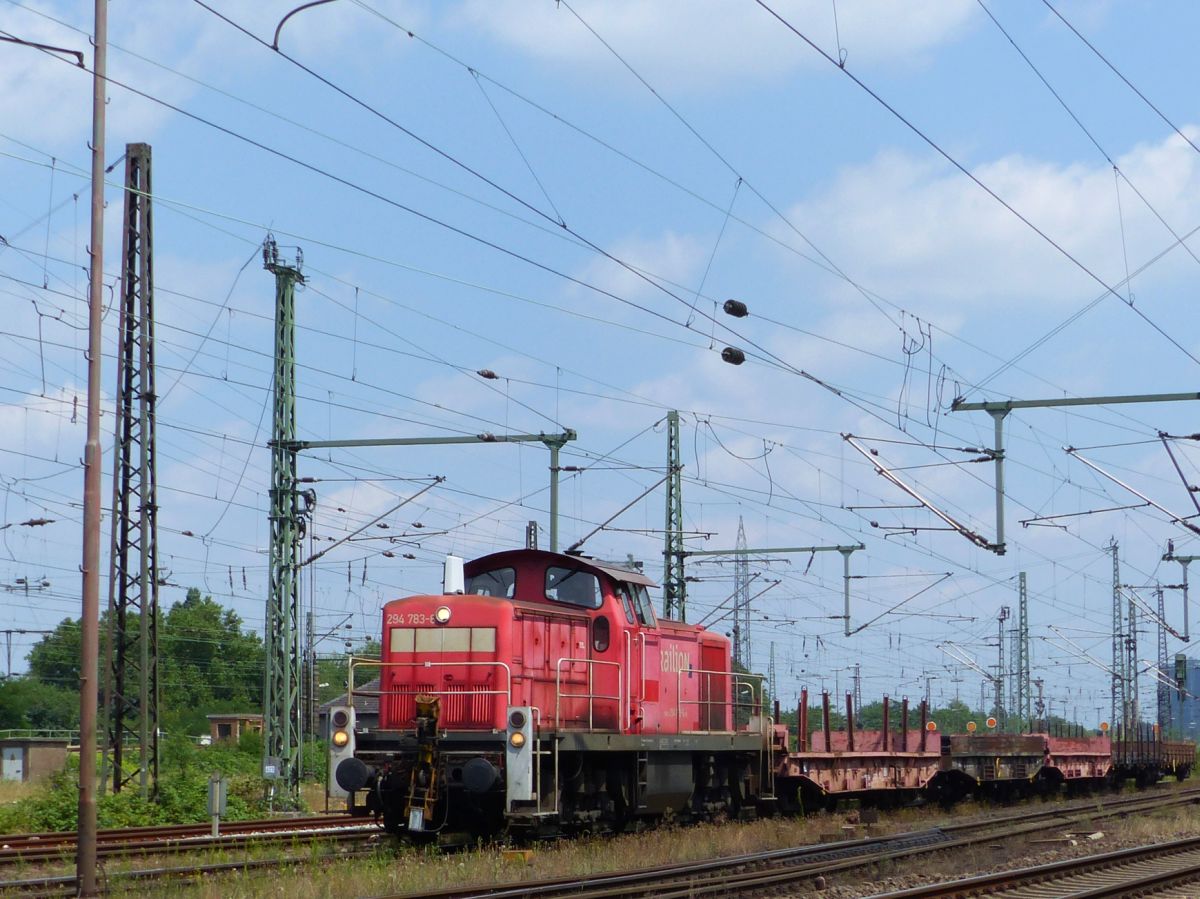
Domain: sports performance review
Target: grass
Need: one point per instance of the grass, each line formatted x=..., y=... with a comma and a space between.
x=408, y=870
x=16, y=790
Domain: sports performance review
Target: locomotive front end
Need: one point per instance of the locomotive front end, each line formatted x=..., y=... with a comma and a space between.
x=434, y=763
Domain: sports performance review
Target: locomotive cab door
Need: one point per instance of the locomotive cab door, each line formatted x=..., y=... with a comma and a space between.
x=631, y=658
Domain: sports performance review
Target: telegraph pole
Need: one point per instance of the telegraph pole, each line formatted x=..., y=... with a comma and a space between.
x=674, y=584
x=89, y=649
x=281, y=682
x=131, y=656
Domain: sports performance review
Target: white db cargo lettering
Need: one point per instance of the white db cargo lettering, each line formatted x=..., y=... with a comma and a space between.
x=673, y=660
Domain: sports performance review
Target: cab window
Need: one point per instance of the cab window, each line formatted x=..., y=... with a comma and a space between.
x=645, y=608
x=499, y=582
x=626, y=603
x=574, y=587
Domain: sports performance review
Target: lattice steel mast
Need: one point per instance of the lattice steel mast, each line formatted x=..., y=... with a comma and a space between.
x=131, y=640
x=1133, y=712
x=1023, y=703
x=1163, y=691
x=674, y=583
x=281, y=684
x=1119, y=679
x=741, y=600
x=1001, y=714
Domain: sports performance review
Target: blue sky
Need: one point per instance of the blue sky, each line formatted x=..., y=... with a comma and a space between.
x=732, y=161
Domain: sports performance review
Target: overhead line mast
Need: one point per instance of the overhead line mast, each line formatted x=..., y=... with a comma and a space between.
x=281, y=681
x=674, y=582
x=131, y=641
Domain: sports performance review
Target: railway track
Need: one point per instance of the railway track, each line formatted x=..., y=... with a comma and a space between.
x=33, y=848
x=763, y=872
x=1164, y=869
x=751, y=873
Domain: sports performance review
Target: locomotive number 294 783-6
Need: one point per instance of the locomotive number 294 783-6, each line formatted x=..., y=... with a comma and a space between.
x=394, y=618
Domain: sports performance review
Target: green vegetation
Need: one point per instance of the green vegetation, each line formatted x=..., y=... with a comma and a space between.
x=183, y=791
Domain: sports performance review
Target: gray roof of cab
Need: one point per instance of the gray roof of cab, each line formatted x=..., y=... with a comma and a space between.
x=621, y=573
x=614, y=570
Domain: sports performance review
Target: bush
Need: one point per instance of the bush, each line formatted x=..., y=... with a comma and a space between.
x=184, y=770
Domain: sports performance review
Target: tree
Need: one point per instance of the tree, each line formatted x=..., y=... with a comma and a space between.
x=55, y=658
x=28, y=704
x=207, y=662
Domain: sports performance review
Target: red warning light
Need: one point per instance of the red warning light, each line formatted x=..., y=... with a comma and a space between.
x=991, y=722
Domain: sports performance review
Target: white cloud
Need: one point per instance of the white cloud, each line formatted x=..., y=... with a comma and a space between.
x=689, y=44
x=937, y=240
x=670, y=256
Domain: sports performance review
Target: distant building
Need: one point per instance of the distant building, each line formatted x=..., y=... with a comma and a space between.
x=366, y=709
x=231, y=725
x=1185, y=706
x=31, y=758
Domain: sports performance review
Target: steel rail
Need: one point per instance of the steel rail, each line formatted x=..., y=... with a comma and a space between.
x=174, y=843
x=45, y=837
x=1124, y=872
x=775, y=868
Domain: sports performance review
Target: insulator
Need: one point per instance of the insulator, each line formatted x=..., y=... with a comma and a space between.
x=736, y=308
x=487, y=374
x=733, y=355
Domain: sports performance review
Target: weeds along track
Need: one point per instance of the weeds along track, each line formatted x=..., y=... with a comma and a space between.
x=31, y=848
x=766, y=871
x=114, y=882
x=1164, y=869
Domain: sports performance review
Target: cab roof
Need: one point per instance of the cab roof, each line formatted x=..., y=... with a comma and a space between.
x=544, y=557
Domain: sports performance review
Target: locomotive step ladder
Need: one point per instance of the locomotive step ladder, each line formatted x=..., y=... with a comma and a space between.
x=643, y=779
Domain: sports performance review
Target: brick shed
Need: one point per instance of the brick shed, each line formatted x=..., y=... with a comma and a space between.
x=31, y=758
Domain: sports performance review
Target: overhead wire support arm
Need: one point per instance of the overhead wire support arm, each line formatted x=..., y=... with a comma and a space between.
x=553, y=442
x=1184, y=561
x=954, y=524
x=574, y=547
x=400, y=505
x=999, y=410
x=846, y=552
x=1175, y=519
x=1165, y=438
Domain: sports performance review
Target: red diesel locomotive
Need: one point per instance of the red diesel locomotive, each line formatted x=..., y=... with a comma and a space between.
x=541, y=693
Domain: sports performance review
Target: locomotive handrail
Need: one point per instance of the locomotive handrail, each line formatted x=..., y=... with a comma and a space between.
x=425, y=663
x=590, y=696
x=738, y=683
